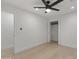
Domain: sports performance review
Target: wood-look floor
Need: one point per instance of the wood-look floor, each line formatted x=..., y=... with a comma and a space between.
x=48, y=51
x=7, y=53
x=45, y=51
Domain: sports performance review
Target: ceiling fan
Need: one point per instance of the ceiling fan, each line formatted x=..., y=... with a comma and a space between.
x=49, y=6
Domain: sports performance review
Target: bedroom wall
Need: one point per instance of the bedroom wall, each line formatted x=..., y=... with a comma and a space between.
x=67, y=29
x=34, y=28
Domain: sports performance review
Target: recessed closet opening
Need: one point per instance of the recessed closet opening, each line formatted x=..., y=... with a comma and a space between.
x=54, y=32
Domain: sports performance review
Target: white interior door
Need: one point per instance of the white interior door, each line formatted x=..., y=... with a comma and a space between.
x=54, y=32
x=7, y=30
x=7, y=35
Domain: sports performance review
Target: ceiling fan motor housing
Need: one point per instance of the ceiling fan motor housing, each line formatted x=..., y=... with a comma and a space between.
x=49, y=6
x=48, y=2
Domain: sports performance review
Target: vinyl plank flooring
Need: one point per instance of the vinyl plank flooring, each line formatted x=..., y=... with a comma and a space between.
x=48, y=51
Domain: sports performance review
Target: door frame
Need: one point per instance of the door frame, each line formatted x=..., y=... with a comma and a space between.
x=49, y=30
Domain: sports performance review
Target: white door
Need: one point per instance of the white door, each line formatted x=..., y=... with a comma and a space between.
x=54, y=32
x=7, y=30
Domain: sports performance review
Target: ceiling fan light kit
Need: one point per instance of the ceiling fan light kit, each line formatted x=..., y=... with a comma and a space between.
x=47, y=10
x=49, y=7
x=36, y=9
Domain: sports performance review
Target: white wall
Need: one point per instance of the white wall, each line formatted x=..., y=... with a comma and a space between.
x=34, y=29
x=67, y=30
x=7, y=28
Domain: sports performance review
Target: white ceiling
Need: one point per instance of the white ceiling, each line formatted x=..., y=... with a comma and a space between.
x=65, y=6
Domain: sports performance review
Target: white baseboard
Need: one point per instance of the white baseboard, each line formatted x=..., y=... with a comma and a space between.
x=26, y=48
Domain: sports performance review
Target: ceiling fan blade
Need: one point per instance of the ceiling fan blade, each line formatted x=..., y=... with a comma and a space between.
x=55, y=9
x=58, y=1
x=39, y=7
x=44, y=1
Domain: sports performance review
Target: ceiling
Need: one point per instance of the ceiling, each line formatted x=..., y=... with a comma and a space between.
x=65, y=6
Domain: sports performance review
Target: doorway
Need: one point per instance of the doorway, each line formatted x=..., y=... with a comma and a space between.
x=54, y=32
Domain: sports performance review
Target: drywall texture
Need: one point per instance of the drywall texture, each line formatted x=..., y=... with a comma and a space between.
x=68, y=30
x=33, y=33
x=7, y=28
x=30, y=29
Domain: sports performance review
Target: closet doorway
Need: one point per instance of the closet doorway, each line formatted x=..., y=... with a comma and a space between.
x=54, y=31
